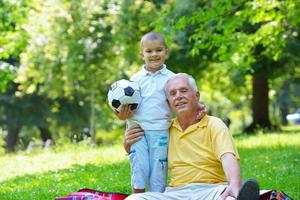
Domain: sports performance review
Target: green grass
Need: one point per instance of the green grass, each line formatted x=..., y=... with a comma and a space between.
x=273, y=159
x=52, y=173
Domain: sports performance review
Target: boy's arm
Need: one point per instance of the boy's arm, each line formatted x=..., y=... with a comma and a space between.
x=125, y=112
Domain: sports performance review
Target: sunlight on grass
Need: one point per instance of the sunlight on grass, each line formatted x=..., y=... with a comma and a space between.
x=273, y=159
x=295, y=128
x=269, y=140
x=52, y=159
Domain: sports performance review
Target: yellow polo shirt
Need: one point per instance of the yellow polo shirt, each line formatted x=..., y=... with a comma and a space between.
x=194, y=154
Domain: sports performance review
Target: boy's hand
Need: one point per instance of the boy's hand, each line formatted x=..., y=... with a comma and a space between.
x=202, y=111
x=125, y=112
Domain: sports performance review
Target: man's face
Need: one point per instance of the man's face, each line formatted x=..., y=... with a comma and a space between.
x=154, y=54
x=182, y=98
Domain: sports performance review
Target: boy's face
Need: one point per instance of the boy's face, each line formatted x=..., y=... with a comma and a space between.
x=154, y=54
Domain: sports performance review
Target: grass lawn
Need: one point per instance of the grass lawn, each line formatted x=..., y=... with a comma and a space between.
x=273, y=159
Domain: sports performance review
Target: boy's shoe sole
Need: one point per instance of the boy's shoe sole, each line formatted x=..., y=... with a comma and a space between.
x=249, y=190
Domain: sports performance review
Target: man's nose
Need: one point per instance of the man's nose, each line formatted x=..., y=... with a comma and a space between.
x=178, y=95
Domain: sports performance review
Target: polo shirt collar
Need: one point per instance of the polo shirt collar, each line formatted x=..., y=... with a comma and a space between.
x=202, y=123
x=162, y=71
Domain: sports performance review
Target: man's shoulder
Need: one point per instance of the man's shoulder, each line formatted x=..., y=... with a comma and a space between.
x=215, y=121
x=213, y=118
x=217, y=126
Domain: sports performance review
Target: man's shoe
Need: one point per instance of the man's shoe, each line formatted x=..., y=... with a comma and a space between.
x=249, y=190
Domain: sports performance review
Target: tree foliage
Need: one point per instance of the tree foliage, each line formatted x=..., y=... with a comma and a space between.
x=244, y=37
x=58, y=57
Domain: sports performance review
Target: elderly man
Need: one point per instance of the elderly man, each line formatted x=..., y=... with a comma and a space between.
x=202, y=157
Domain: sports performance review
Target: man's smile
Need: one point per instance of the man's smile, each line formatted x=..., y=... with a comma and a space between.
x=180, y=104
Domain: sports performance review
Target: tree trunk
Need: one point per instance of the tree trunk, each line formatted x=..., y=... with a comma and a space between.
x=284, y=112
x=12, y=136
x=13, y=128
x=45, y=134
x=260, y=103
x=93, y=117
x=284, y=103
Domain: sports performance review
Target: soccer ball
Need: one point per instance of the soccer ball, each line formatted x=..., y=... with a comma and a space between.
x=124, y=92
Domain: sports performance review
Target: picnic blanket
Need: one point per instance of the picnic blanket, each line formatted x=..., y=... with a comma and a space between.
x=90, y=194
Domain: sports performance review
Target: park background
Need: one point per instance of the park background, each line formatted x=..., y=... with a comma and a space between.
x=59, y=57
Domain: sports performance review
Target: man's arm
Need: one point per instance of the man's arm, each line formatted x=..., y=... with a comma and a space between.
x=232, y=171
x=132, y=135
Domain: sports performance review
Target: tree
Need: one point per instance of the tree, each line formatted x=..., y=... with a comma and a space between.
x=71, y=52
x=246, y=38
x=13, y=42
x=76, y=55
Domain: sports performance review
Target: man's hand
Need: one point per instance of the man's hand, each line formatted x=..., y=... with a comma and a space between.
x=125, y=112
x=132, y=135
x=227, y=195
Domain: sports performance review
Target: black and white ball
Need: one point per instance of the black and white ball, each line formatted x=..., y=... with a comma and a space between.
x=124, y=92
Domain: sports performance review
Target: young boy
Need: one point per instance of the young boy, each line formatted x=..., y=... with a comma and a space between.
x=148, y=156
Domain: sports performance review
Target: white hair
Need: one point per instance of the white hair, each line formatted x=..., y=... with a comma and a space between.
x=191, y=80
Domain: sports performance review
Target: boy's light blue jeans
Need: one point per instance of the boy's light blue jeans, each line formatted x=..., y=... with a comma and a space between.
x=148, y=161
